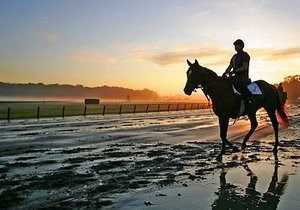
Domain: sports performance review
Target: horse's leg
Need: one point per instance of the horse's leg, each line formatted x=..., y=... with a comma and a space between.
x=223, y=122
x=234, y=148
x=254, y=124
x=274, y=121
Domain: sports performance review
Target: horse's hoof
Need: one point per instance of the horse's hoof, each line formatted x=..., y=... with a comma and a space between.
x=235, y=149
x=243, y=147
x=219, y=158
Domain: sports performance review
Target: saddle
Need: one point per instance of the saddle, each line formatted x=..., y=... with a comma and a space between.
x=253, y=88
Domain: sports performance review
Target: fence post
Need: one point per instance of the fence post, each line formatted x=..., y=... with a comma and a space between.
x=203, y=106
x=103, y=112
x=38, y=113
x=63, y=112
x=147, y=108
x=84, y=113
x=198, y=106
x=177, y=107
x=120, y=112
x=168, y=107
x=8, y=113
x=192, y=106
x=134, y=109
x=184, y=107
x=158, y=107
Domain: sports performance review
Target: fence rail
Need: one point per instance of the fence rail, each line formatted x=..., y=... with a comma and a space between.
x=11, y=112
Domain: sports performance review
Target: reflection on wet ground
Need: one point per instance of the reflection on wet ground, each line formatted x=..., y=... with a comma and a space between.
x=93, y=177
x=91, y=174
x=231, y=196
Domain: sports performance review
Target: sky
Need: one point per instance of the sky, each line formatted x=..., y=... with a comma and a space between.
x=144, y=43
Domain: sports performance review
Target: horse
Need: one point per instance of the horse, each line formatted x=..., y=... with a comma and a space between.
x=232, y=196
x=226, y=104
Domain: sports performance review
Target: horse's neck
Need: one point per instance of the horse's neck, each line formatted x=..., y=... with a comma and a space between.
x=211, y=84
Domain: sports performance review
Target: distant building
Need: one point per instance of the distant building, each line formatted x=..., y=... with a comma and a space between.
x=91, y=101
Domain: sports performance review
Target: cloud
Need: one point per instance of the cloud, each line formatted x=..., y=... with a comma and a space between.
x=50, y=37
x=213, y=55
x=278, y=54
x=91, y=56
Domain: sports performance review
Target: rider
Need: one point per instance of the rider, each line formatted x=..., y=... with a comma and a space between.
x=239, y=64
x=281, y=94
x=280, y=88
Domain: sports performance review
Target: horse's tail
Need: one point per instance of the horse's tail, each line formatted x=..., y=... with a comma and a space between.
x=281, y=112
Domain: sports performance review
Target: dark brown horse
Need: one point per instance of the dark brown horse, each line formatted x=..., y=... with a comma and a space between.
x=232, y=196
x=226, y=104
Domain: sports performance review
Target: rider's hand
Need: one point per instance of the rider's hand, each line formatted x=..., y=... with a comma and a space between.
x=231, y=73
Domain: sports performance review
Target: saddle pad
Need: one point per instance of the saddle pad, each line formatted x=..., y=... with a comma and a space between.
x=253, y=87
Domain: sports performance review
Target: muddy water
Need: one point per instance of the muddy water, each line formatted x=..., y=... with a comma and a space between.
x=90, y=163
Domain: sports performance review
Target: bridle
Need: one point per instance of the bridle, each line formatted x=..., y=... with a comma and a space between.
x=204, y=90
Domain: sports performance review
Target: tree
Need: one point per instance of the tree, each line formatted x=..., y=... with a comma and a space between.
x=291, y=84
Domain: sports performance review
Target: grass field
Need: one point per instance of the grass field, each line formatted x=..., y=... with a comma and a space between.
x=10, y=111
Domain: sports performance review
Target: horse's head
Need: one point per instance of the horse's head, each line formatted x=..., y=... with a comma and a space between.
x=193, y=77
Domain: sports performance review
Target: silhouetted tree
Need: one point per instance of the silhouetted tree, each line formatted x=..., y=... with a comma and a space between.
x=291, y=84
x=70, y=91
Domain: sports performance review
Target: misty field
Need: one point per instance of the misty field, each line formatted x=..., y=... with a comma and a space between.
x=10, y=111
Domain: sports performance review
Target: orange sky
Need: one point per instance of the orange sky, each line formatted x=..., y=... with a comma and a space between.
x=144, y=44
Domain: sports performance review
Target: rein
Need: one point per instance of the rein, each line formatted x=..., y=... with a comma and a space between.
x=206, y=95
x=208, y=101
x=204, y=90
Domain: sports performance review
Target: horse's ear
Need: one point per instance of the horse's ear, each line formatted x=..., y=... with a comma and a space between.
x=196, y=62
x=188, y=62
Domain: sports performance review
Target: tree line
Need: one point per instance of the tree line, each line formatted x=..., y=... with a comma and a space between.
x=74, y=91
x=291, y=85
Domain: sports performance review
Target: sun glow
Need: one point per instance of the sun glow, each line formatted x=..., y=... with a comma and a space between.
x=91, y=48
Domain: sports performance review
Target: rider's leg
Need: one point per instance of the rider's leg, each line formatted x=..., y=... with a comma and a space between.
x=241, y=84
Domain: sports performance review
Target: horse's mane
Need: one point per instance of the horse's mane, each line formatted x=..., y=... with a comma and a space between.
x=211, y=72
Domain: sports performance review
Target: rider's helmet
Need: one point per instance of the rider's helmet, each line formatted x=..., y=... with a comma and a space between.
x=239, y=42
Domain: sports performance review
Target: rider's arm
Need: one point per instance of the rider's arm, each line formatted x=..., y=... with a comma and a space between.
x=228, y=68
x=243, y=68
